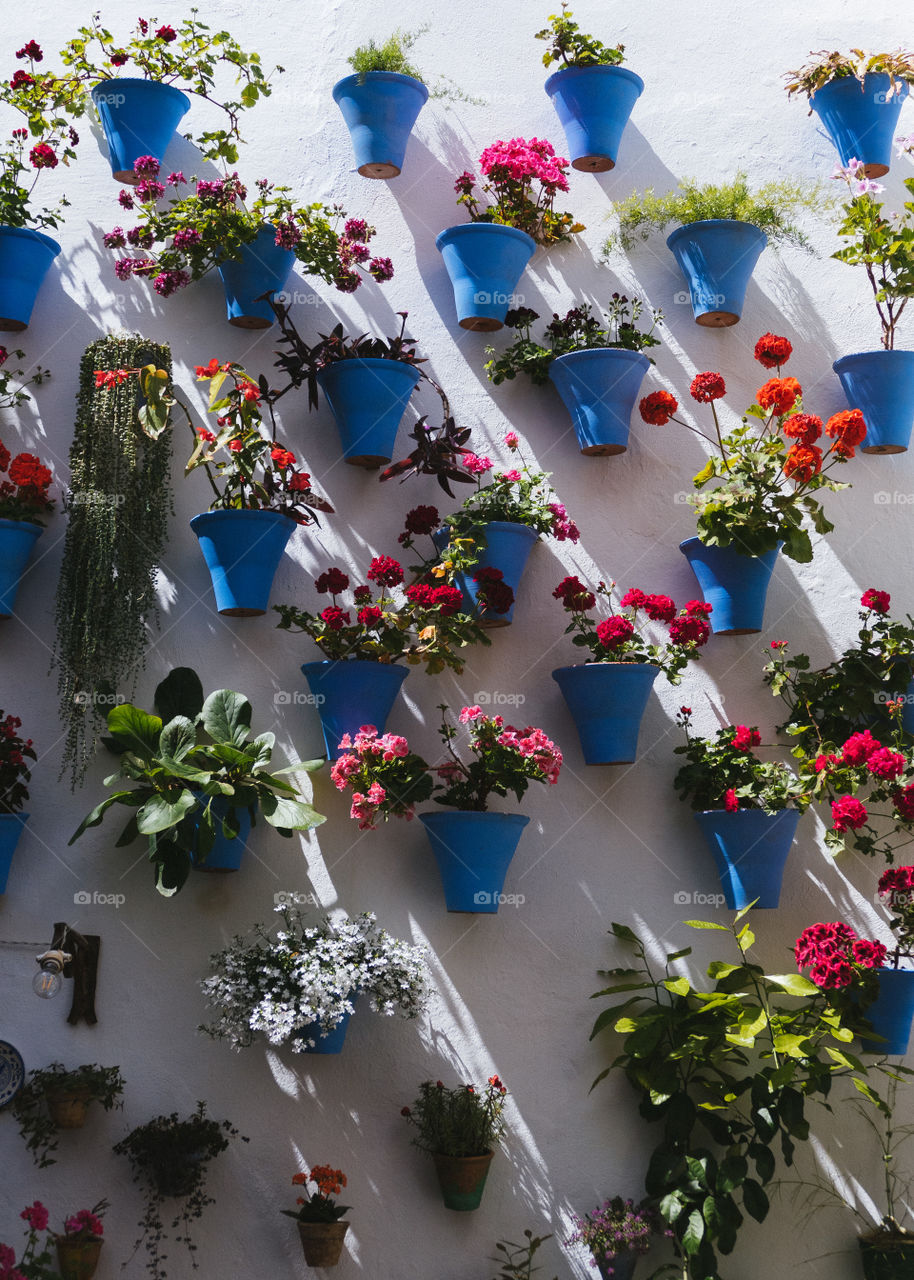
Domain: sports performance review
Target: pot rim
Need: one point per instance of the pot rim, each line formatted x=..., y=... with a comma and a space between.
x=239, y=511
x=680, y=231
x=359, y=80
x=463, y=228
x=158, y=86
x=624, y=73
x=519, y=819
x=878, y=352
x=29, y=233
x=624, y=352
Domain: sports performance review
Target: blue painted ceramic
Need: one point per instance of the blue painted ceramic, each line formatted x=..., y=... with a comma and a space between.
x=139, y=118
x=473, y=851
x=242, y=550
x=750, y=848
x=352, y=693
x=380, y=109
x=599, y=388
x=607, y=702
x=717, y=257
x=736, y=585
x=593, y=105
x=485, y=262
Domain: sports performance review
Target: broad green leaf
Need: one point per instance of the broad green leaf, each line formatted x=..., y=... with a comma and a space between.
x=678, y=986
x=624, y=932
x=293, y=815
x=160, y=814
x=706, y=924
x=694, y=1233
x=178, y=738
x=135, y=729
x=226, y=717
x=94, y=818
x=755, y=1200
x=794, y=984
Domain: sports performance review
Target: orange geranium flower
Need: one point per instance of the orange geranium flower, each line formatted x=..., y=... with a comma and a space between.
x=299, y=1179
x=803, y=461
x=779, y=394
x=805, y=428
x=848, y=428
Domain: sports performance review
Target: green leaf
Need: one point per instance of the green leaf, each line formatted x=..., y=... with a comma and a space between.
x=694, y=1233
x=794, y=984
x=160, y=814
x=705, y=924
x=172, y=868
x=94, y=818
x=678, y=955
x=178, y=738
x=755, y=1200
x=136, y=729
x=678, y=986
x=179, y=694
x=624, y=932
x=292, y=815
x=226, y=717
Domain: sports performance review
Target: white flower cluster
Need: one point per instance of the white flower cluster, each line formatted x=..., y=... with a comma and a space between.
x=303, y=981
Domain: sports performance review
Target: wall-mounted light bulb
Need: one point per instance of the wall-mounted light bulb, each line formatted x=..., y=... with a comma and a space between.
x=48, y=980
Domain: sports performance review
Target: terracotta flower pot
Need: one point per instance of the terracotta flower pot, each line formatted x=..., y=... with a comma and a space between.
x=462, y=1179
x=322, y=1242
x=77, y=1256
x=68, y=1109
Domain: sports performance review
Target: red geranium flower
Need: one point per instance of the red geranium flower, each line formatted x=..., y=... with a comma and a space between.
x=659, y=608
x=614, y=632
x=772, y=351
x=385, y=571
x=848, y=814
x=779, y=394
x=803, y=461
x=331, y=582
x=658, y=408
x=707, y=387
x=334, y=617
x=848, y=428
x=745, y=738
x=805, y=428
x=877, y=601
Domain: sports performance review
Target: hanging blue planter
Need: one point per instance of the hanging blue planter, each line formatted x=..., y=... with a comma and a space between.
x=473, y=851
x=25, y=260
x=508, y=547
x=593, y=105
x=717, y=257
x=485, y=261
x=226, y=854
x=881, y=385
x=736, y=585
x=11, y=827
x=750, y=848
x=368, y=398
x=264, y=267
x=332, y=1042
x=242, y=550
x=351, y=693
x=892, y=1012
x=861, y=119
x=380, y=109
x=139, y=118
x=17, y=540
x=599, y=388
x=621, y=1266
x=907, y=712
x=607, y=702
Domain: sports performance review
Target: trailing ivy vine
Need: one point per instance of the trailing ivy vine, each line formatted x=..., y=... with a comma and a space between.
x=119, y=503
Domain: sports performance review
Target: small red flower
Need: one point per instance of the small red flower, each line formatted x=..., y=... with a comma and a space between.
x=779, y=395
x=614, y=632
x=877, y=601
x=772, y=351
x=658, y=408
x=707, y=387
x=745, y=738
x=731, y=803
x=167, y=34
x=385, y=571
x=805, y=428
x=803, y=461
x=848, y=814
x=848, y=428
x=332, y=582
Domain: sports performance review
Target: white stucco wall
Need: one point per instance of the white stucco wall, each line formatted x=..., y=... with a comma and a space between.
x=511, y=991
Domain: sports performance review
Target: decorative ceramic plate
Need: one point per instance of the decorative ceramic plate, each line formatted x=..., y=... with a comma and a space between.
x=12, y=1072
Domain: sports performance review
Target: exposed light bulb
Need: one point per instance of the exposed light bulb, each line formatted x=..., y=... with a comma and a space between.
x=48, y=980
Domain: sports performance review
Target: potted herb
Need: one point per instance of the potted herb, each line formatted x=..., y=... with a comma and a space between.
x=15, y=775
x=170, y=1158
x=298, y=985
x=318, y=1215
x=881, y=382
x=767, y=476
x=616, y=1234
x=56, y=1097
x=747, y=809
x=252, y=246
x=80, y=1246
x=722, y=231
x=597, y=368
x=364, y=658
x=515, y=1261
x=487, y=542
x=511, y=216
x=459, y=1128
x=141, y=110
x=608, y=693
x=260, y=497
x=472, y=844
x=857, y=96
x=200, y=780
x=592, y=92
x=381, y=102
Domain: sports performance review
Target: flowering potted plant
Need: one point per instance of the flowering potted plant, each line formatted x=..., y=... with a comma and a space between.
x=747, y=809
x=260, y=497
x=607, y=695
x=200, y=780
x=80, y=1246
x=35, y=1263
x=24, y=506
x=318, y=1215
x=253, y=247
x=15, y=775
x=485, y=544
x=766, y=486
x=721, y=234
x=592, y=92
x=473, y=846
x=881, y=382
x=857, y=96
x=299, y=985
x=45, y=100
x=459, y=1128
x=56, y=1098
x=140, y=112
x=596, y=370
x=170, y=1157
x=360, y=676
x=486, y=257
x=616, y=1234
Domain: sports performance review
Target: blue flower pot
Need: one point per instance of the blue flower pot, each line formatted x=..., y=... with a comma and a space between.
x=607, y=702
x=17, y=539
x=861, y=119
x=508, y=547
x=599, y=388
x=242, y=550
x=881, y=385
x=226, y=854
x=380, y=109
x=621, y=1266
x=331, y=1043
x=750, y=848
x=11, y=827
x=485, y=261
x=594, y=104
x=352, y=693
x=25, y=260
x=736, y=585
x=717, y=257
x=139, y=118
x=907, y=712
x=473, y=851
x=892, y=1012
x=368, y=398
x=264, y=267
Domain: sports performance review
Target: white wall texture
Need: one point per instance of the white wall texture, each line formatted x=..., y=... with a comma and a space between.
x=510, y=991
